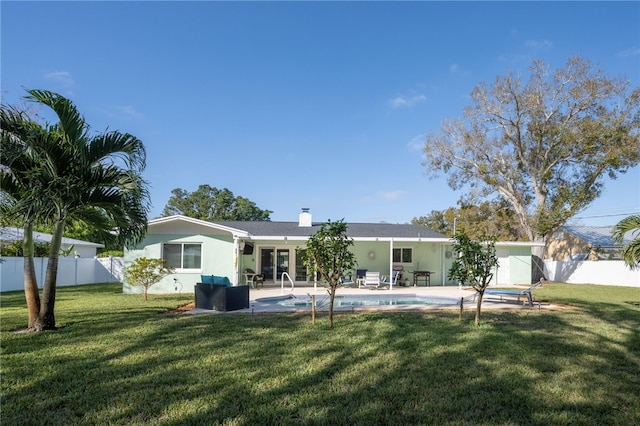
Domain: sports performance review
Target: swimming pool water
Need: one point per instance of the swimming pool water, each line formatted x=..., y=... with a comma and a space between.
x=360, y=300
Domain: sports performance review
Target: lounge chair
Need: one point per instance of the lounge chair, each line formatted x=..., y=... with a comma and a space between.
x=371, y=280
x=513, y=293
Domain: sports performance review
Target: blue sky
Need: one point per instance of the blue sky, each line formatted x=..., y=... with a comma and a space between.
x=322, y=105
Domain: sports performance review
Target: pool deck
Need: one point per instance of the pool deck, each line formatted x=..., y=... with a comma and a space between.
x=449, y=292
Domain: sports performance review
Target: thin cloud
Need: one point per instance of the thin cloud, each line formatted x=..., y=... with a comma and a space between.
x=127, y=111
x=538, y=44
x=629, y=52
x=406, y=101
x=64, y=78
x=417, y=143
x=456, y=70
x=393, y=195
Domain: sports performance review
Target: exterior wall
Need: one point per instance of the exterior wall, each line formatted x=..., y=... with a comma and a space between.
x=519, y=267
x=562, y=245
x=217, y=259
x=370, y=255
x=609, y=272
x=426, y=256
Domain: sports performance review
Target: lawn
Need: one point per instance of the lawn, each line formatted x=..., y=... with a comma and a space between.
x=116, y=360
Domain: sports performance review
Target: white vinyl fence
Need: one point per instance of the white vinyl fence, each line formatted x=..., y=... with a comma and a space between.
x=71, y=271
x=606, y=272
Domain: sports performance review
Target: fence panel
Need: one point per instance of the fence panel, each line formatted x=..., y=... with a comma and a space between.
x=609, y=272
x=71, y=271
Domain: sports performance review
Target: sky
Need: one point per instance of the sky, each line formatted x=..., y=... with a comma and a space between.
x=319, y=105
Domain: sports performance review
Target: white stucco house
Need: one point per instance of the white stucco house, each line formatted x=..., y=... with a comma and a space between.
x=227, y=248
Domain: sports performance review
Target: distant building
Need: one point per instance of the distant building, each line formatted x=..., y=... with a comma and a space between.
x=80, y=248
x=583, y=243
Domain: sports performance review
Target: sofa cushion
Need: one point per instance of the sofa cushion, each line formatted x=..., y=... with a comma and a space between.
x=221, y=280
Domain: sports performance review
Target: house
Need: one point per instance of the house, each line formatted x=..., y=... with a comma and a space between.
x=226, y=248
x=584, y=243
x=84, y=249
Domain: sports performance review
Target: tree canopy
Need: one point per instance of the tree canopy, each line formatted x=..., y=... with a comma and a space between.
x=210, y=203
x=544, y=145
x=487, y=218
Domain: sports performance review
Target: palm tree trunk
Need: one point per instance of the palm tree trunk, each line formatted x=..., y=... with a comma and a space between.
x=47, y=319
x=31, y=292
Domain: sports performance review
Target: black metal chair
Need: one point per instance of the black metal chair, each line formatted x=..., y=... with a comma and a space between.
x=253, y=278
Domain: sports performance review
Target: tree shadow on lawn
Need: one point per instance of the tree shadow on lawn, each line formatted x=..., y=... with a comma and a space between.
x=393, y=368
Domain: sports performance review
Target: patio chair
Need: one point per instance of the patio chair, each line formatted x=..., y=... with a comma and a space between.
x=347, y=282
x=371, y=280
x=501, y=293
x=394, y=278
x=253, y=279
x=360, y=273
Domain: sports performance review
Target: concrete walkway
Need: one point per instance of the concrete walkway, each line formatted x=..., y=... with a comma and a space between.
x=257, y=304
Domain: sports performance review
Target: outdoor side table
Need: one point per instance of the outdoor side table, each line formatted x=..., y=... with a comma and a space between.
x=426, y=275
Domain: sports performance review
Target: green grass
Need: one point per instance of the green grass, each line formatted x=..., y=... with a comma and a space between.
x=115, y=360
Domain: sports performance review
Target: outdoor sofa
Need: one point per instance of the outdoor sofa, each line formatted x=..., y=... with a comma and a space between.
x=218, y=294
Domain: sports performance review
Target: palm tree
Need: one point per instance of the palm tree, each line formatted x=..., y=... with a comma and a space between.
x=630, y=252
x=73, y=175
x=22, y=143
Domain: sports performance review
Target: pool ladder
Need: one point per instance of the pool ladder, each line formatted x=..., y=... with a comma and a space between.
x=282, y=282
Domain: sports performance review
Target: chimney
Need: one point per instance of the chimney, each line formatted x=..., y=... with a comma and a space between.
x=304, y=220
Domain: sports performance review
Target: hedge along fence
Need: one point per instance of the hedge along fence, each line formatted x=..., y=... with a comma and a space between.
x=71, y=271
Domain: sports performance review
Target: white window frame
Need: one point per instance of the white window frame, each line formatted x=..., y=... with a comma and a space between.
x=402, y=249
x=182, y=244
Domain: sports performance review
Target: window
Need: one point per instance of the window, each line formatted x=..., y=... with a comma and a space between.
x=402, y=255
x=183, y=255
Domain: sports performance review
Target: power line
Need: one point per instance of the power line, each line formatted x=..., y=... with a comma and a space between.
x=606, y=215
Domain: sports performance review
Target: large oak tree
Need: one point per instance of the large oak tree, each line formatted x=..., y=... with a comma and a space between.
x=545, y=144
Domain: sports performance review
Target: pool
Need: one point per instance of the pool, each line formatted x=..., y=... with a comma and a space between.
x=353, y=301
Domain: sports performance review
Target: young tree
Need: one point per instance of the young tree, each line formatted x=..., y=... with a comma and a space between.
x=474, y=264
x=630, y=252
x=145, y=272
x=544, y=145
x=209, y=203
x=327, y=253
x=58, y=172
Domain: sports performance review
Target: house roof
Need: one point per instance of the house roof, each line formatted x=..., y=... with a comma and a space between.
x=354, y=230
x=17, y=234
x=597, y=236
x=268, y=230
x=279, y=230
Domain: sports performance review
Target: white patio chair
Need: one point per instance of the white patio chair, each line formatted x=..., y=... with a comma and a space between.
x=371, y=280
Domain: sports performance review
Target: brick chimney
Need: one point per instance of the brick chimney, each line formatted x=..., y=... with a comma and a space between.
x=304, y=219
